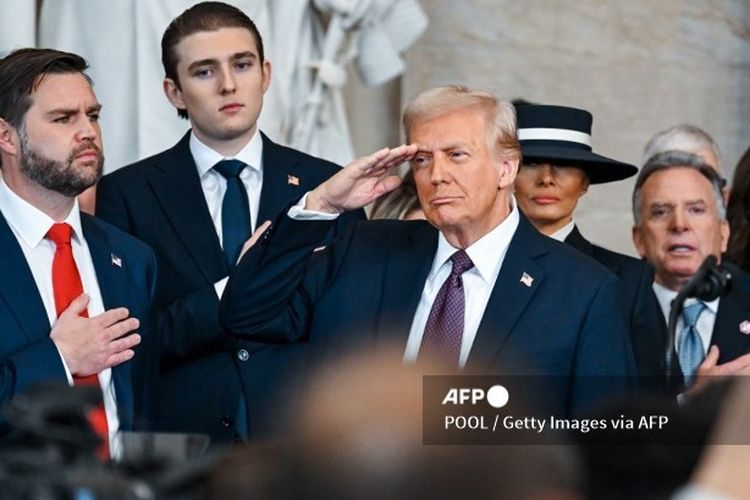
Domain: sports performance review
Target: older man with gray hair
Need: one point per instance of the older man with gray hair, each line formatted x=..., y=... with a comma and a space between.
x=679, y=216
x=687, y=138
x=474, y=284
x=690, y=139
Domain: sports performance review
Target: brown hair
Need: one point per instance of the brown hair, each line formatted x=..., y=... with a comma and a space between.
x=23, y=70
x=738, y=214
x=205, y=16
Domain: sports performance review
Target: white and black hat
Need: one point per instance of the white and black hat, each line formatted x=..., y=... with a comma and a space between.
x=562, y=135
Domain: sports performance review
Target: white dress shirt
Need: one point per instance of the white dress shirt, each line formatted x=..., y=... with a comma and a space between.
x=563, y=232
x=487, y=254
x=706, y=320
x=214, y=184
x=30, y=226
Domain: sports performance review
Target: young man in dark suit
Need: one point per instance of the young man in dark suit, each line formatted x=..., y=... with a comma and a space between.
x=558, y=167
x=475, y=283
x=74, y=289
x=196, y=204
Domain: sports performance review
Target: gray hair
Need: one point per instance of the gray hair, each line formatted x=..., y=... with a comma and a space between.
x=682, y=137
x=678, y=159
x=500, y=114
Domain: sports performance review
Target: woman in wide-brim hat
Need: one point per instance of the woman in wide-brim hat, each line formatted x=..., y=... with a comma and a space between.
x=558, y=167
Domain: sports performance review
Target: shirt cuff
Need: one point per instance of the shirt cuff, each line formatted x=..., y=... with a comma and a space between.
x=298, y=212
x=220, y=285
x=698, y=492
x=65, y=365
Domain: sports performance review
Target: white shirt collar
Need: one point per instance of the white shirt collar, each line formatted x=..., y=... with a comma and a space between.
x=29, y=222
x=488, y=252
x=205, y=157
x=564, y=231
x=665, y=296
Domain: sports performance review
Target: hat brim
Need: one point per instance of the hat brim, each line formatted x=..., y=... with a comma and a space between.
x=599, y=169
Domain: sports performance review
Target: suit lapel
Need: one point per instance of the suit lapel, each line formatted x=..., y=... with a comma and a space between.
x=511, y=294
x=178, y=189
x=18, y=288
x=111, y=273
x=577, y=241
x=405, y=276
x=283, y=181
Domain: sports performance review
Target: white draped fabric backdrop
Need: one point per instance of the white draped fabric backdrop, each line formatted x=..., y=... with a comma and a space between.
x=304, y=106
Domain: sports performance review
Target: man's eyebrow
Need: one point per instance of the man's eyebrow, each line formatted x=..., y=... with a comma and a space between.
x=243, y=55
x=71, y=111
x=213, y=61
x=202, y=62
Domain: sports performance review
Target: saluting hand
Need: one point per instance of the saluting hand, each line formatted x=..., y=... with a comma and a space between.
x=360, y=182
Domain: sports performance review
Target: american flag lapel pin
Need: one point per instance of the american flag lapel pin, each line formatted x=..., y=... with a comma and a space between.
x=526, y=279
x=292, y=179
x=116, y=261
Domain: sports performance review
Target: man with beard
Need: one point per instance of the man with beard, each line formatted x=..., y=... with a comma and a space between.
x=76, y=292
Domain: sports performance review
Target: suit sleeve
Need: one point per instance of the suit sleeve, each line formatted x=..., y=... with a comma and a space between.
x=272, y=293
x=183, y=325
x=36, y=362
x=647, y=332
x=146, y=369
x=604, y=363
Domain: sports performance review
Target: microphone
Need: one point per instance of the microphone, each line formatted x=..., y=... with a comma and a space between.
x=709, y=282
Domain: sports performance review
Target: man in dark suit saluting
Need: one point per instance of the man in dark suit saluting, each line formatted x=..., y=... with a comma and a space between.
x=74, y=289
x=196, y=204
x=476, y=283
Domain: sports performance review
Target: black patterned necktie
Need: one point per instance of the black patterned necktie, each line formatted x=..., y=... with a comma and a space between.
x=236, y=226
x=444, y=329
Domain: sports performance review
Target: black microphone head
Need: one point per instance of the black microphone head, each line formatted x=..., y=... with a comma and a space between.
x=714, y=281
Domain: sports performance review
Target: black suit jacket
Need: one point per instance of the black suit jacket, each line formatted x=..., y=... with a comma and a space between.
x=28, y=355
x=365, y=288
x=734, y=308
x=160, y=201
x=640, y=305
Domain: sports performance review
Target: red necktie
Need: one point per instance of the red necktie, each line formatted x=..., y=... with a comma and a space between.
x=66, y=285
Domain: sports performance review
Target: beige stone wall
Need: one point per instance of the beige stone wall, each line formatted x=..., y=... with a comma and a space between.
x=639, y=66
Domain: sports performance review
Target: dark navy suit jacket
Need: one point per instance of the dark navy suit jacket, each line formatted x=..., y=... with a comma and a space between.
x=28, y=355
x=365, y=287
x=203, y=370
x=640, y=305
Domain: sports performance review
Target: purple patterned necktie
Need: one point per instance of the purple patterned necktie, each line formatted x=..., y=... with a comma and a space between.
x=445, y=324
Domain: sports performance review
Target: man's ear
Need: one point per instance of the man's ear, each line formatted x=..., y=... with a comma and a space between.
x=508, y=171
x=9, y=141
x=266, y=68
x=173, y=93
x=724, y=231
x=638, y=241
